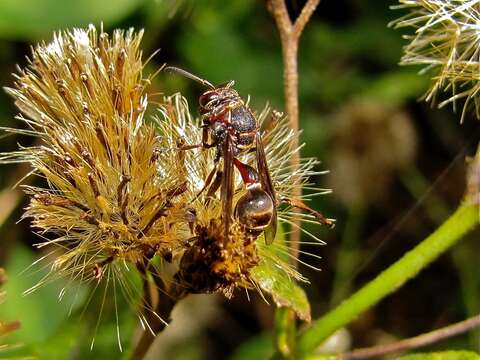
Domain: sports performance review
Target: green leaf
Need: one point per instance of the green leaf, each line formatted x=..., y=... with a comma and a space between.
x=40, y=313
x=274, y=280
x=62, y=343
x=444, y=355
x=38, y=18
x=284, y=290
x=397, y=86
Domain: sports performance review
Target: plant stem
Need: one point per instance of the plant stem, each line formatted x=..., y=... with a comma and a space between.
x=158, y=311
x=465, y=218
x=285, y=332
x=289, y=37
x=414, y=342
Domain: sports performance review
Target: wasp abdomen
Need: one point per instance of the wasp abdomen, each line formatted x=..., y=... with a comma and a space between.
x=255, y=209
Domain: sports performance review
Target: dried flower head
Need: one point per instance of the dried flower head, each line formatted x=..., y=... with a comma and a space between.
x=211, y=262
x=108, y=195
x=371, y=141
x=446, y=43
x=120, y=193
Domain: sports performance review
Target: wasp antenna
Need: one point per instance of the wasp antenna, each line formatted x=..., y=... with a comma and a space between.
x=189, y=75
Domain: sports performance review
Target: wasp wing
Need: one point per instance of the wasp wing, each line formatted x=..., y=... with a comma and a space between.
x=267, y=186
x=227, y=185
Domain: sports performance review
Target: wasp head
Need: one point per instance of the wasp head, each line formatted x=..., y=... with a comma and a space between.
x=213, y=101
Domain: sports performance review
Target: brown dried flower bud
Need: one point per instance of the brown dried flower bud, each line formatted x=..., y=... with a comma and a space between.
x=371, y=141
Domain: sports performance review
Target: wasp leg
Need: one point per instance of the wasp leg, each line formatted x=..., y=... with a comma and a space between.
x=196, y=146
x=302, y=206
x=204, y=144
x=208, y=181
x=189, y=147
x=205, y=137
x=216, y=184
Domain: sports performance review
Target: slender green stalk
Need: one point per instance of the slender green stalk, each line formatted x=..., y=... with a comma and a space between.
x=463, y=220
x=285, y=332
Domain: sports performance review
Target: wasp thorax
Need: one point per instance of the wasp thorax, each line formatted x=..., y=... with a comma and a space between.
x=219, y=132
x=255, y=209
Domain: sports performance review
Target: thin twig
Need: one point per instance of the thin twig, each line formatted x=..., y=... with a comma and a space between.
x=304, y=16
x=414, y=342
x=289, y=36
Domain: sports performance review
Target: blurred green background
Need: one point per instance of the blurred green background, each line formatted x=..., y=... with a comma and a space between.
x=396, y=170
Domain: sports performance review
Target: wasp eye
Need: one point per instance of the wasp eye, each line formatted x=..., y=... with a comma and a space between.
x=206, y=97
x=254, y=209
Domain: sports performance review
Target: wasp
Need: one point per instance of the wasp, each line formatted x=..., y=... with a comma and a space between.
x=231, y=128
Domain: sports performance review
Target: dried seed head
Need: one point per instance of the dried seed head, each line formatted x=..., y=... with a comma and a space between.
x=210, y=262
x=213, y=264
x=108, y=196
x=371, y=142
x=120, y=191
x=446, y=43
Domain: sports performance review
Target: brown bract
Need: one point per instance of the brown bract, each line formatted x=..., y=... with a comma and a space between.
x=371, y=142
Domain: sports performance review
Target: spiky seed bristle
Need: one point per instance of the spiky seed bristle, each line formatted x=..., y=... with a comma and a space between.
x=210, y=263
x=445, y=43
x=83, y=96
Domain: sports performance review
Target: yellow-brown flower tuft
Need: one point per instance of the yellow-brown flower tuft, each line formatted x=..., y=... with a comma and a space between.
x=108, y=196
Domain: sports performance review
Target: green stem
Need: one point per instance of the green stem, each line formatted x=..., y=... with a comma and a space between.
x=462, y=221
x=285, y=332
